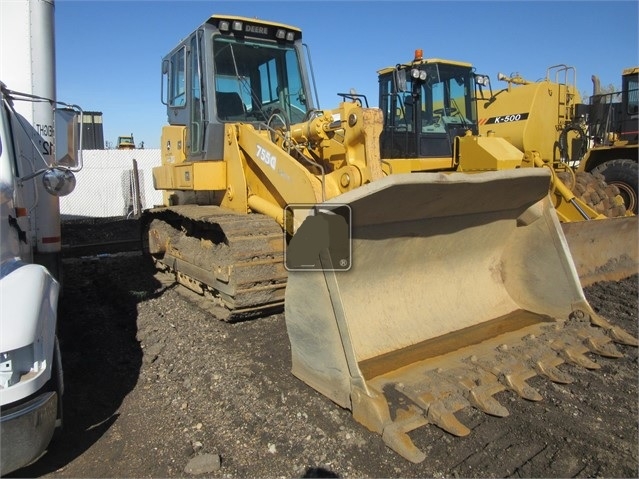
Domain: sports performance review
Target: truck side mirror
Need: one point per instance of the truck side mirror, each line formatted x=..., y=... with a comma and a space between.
x=58, y=182
x=67, y=138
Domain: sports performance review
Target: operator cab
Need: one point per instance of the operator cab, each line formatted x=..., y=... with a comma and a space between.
x=426, y=104
x=230, y=70
x=630, y=102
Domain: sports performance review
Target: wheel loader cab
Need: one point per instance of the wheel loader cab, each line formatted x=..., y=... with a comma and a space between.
x=232, y=69
x=426, y=104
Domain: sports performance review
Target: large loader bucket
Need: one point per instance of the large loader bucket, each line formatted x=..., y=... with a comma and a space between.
x=604, y=250
x=461, y=286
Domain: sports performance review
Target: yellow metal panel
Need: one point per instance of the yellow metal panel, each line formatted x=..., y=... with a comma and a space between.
x=163, y=177
x=206, y=175
x=173, y=145
x=209, y=175
x=412, y=165
x=269, y=169
x=184, y=177
x=477, y=153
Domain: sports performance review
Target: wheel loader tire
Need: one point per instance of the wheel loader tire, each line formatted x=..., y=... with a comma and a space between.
x=622, y=173
x=593, y=190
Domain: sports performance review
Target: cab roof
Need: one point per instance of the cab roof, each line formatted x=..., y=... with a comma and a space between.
x=215, y=17
x=426, y=61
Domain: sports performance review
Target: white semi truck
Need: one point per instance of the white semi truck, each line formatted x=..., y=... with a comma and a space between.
x=40, y=149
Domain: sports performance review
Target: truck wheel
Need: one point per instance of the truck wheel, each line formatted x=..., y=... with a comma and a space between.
x=623, y=174
x=593, y=190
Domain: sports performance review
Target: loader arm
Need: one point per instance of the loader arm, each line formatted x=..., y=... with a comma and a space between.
x=333, y=152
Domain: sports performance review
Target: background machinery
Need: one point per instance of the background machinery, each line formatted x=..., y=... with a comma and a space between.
x=612, y=121
x=444, y=265
x=39, y=150
x=439, y=115
x=547, y=120
x=126, y=142
x=429, y=108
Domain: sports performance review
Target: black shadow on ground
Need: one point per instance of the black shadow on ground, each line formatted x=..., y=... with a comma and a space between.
x=101, y=356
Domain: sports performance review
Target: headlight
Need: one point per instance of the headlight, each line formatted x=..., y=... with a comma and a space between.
x=18, y=365
x=418, y=74
x=482, y=80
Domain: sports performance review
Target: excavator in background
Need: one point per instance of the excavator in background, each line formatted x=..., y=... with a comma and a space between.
x=438, y=116
x=457, y=286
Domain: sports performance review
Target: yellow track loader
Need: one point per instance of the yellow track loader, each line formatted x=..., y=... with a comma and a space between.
x=438, y=267
x=439, y=115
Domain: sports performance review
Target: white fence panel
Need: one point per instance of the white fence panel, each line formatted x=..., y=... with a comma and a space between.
x=105, y=185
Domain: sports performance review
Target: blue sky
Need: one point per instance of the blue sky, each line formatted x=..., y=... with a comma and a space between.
x=108, y=53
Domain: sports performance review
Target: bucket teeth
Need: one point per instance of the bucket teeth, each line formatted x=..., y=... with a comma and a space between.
x=480, y=391
x=470, y=377
x=547, y=369
x=602, y=347
x=512, y=373
x=517, y=383
x=620, y=336
x=440, y=415
x=395, y=434
x=544, y=361
x=440, y=402
x=597, y=342
x=484, y=401
x=574, y=354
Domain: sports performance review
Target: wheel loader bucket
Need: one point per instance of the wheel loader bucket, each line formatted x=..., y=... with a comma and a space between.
x=604, y=250
x=461, y=286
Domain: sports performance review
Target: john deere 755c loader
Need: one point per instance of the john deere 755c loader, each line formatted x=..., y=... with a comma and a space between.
x=457, y=286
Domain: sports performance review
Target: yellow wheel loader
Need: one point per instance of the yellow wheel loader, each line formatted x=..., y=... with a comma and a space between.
x=455, y=287
x=547, y=120
x=612, y=121
x=439, y=115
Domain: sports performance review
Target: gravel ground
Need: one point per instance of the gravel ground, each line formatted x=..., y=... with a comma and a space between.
x=157, y=387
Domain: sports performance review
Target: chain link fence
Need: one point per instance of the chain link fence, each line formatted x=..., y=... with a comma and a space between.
x=113, y=183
